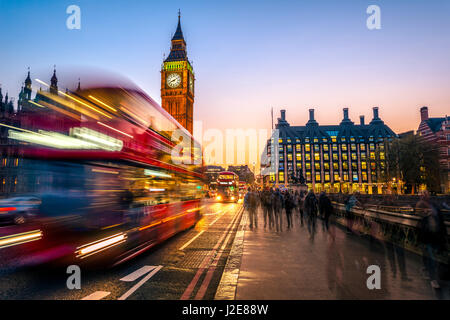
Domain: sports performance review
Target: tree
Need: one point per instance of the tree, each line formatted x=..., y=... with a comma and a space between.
x=415, y=160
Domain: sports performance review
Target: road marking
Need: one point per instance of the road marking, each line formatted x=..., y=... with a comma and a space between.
x=140, y=283
x=208, y=259
x=190, y=241
x=138, y=273
x=202, y=290
x=217, y=218
x=97, y=295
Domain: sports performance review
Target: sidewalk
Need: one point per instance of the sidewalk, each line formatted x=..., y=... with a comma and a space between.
x=288, y=265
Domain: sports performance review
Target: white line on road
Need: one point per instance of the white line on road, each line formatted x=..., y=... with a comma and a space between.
x=190, y=241
x=217, y=218
x=140, y=283
x=97, y=295
x=138, y=273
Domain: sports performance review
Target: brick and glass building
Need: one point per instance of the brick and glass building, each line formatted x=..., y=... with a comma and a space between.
x=346, y=157
x=437, y=131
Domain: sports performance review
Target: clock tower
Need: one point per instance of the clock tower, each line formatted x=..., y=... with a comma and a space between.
x=177, y=82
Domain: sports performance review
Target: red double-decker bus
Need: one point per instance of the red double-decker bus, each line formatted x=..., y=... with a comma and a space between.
x=106, y=176
x=227, y=186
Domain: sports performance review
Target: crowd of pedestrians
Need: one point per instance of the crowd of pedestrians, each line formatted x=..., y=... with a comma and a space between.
x=275, y=203
x=307, y=207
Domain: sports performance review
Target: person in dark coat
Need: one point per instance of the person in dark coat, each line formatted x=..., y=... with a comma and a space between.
x=326, y=209
x=288, y=207
x=310, y=207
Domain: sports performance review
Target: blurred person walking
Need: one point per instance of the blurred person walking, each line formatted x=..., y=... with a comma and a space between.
x=250, y=204
x=288, y=207
x=266, y=204
x=310, y=207
x=301, y=201
x=326, y=209
x=277, y=203
x=350, y=202
x=433, y=236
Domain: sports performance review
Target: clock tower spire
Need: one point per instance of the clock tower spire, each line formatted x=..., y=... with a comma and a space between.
x=177, y=81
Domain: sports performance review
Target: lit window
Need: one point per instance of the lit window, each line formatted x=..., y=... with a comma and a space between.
x=308, y=166
x=344, y=147
x=372, y=155
x=326, y=166
x=344, y=157
x=363, y=165
x=344, y=165
x=335, y=157
x=281, y=176
x=298, y=156
x=298, y=147
x=307, y=147
x=326, y=156
x=289, y=156
x=362, y=146
x=318, y=177
x=325, y=147
x=327, y=177
x=335, y=166
x=317, y=166
x=317, y=156
x=308, y=157
x=354, y=157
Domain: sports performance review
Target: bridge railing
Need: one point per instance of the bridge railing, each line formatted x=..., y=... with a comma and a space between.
x=399, y=228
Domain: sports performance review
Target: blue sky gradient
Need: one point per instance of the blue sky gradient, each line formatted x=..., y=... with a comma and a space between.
x=249, y=55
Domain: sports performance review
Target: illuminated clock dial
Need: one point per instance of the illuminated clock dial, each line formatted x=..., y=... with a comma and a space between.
x=191, y=84
x=173, y=80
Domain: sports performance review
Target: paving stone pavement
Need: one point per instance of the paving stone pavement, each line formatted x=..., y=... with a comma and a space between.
x=291, y=265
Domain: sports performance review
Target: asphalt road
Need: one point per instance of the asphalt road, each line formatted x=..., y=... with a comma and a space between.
x=178, y=268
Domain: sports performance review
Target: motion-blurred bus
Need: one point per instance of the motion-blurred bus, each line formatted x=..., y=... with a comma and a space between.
x=242, y=189
x=227, y=187
x=98, y=178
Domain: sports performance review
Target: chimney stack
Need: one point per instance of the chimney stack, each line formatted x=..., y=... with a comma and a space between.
x=311, y=114
x=361, y=119
x=424, y=113
x=283, y=115
x=345, y=113
x=375, y=112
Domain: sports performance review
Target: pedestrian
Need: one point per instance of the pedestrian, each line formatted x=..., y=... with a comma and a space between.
x=267, y=207
x=301, y=200
x=326, y=209
x=433, y=236
x=350, y=202
x=277, y=203
x=288, y=207
x=250, y=204
x=310, y=207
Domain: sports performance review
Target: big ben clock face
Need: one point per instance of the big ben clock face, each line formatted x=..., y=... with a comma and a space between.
x=173, y=80
x=191, y=84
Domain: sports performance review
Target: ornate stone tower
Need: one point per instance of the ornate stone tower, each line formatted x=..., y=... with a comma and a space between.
x=177, y=82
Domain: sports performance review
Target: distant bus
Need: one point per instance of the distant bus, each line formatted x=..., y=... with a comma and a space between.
x=242, y=188
x=227, y=186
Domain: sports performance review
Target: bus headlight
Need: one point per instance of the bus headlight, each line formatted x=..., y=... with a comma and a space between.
x=219, y=198
x=232, y=198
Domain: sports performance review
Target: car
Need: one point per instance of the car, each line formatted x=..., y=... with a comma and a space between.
x=18, y=210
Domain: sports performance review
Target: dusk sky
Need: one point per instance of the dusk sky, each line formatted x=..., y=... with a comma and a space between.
x=249, y=56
